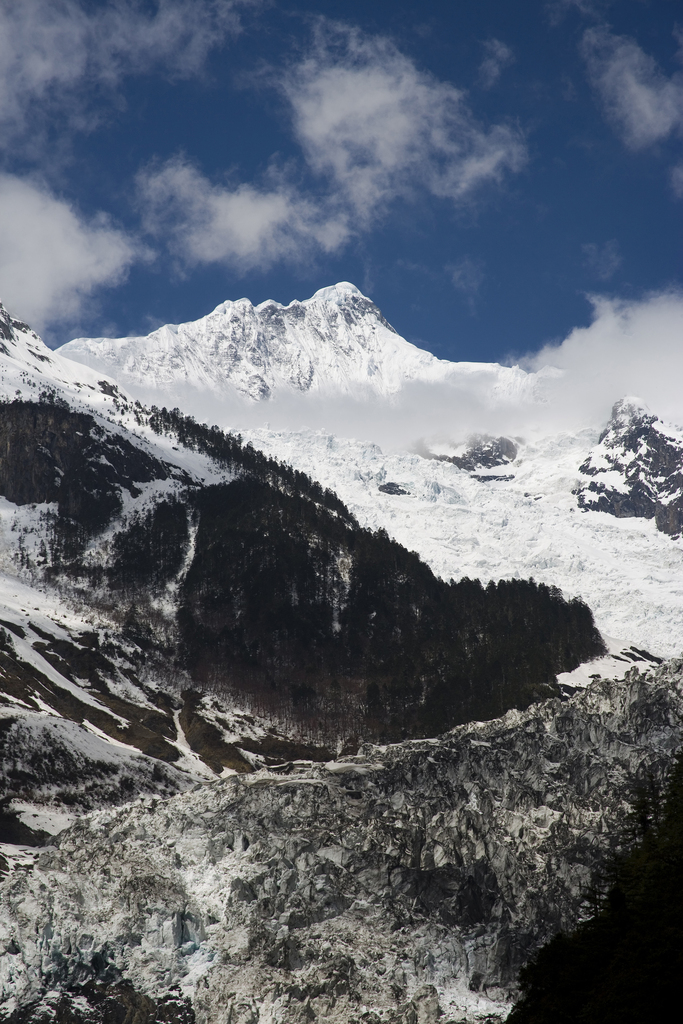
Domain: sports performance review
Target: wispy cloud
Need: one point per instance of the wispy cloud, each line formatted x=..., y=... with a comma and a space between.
x=372, y=128
x=498, y=57
x=377, y=127
x=467, y=276
x=51, y=257
x=677, y=181
x=644, y=105
x=556, y=9
x=245, y=226
x=602, y=261
x=59, y=56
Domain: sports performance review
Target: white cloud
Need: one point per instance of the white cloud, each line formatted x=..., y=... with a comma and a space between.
x=498, y=57
x=372, y=128
x=377, y=127
x=58, y=60
x=243, y=226
x=643, y=104
x=51, y=258
x=602, y=260
x=467, y=276
x=630, y=348
x=54, y=53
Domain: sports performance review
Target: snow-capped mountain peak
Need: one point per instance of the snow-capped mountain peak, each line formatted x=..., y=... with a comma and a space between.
x=336, y=343
x=635, y=470
x=628, y=410
x=337, y=293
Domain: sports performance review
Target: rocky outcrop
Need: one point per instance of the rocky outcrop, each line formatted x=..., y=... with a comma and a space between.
x=636, y=469
x=8, y=326
x=342, y=892
x=484, y=453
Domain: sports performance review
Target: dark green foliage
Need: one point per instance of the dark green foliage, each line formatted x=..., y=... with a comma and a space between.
x=286, y=597
x=151, y=551
x=228, y=450
x=624, y=964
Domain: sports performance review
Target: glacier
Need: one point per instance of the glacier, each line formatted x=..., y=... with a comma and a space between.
x=406, y=884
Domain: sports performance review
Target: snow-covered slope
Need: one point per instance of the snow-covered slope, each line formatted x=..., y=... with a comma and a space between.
x=519, y=519
x=28, y=368
x=335, y=343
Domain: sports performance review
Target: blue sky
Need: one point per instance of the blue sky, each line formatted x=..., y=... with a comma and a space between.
x=479, y=168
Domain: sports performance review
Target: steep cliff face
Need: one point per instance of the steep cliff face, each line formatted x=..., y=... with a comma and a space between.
x=636, y=469
x=342, y=892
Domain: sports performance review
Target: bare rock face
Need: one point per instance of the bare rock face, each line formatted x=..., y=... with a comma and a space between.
x=636, y=469
x=484, y=453
x=406, y=884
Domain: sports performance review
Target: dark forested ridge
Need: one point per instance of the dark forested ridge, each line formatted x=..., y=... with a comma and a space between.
x=624, y=964
x=229, y=451
x=288, y=600
x=280, y=594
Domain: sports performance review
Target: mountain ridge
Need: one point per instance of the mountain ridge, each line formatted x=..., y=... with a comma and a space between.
x=335, y=343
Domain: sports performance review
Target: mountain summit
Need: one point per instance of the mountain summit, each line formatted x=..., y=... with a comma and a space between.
x=337, y=343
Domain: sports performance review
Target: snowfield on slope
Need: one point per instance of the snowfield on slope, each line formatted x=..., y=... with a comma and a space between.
x=629, y=574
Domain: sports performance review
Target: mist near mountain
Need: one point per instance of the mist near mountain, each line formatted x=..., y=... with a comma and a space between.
x=630, y=348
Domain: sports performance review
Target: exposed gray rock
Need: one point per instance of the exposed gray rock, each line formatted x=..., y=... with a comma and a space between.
x=636, y=469
x=343, y=892
x=484, y=452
